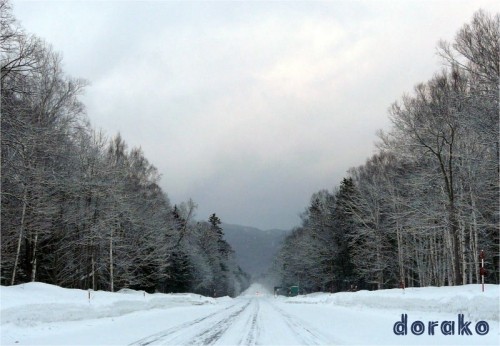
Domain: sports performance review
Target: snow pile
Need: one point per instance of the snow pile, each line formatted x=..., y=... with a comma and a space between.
x=34, y=303
x=467, y=299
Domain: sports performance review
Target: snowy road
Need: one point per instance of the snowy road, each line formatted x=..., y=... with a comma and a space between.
x=207, y=329
x=41, y=314
x=248, y=321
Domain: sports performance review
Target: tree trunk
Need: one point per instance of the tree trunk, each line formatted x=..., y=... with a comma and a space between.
x=20, y=239
x=449, y=259
x=111, y=261
x=457, y=273
x=400, y=253
x=33, y=260
x=93, y=270
x=474, y=238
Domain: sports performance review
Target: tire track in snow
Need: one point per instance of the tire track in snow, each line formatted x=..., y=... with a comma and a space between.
x=213, y=328
x=251, y=336
x=307, y=334
x=209, y=335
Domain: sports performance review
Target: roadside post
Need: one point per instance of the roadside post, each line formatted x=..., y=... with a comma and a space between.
x=482, y=271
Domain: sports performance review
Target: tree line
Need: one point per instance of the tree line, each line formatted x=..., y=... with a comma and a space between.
x=81, y=210
x=420, y=210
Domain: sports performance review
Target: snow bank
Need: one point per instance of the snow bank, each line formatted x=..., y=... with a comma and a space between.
x=467, y=299
x=34, y=303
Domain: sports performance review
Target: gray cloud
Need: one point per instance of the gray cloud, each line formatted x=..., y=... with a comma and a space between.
x=248, y=108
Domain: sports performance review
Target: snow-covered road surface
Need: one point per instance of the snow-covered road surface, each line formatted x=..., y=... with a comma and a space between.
x=208, y=329
x=39, y=314
x=247, y=321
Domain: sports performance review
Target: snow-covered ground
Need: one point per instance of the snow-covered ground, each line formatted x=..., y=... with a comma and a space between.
x=36, y=313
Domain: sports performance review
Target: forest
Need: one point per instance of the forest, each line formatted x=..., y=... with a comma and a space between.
x=420, y=210
x=82, y=210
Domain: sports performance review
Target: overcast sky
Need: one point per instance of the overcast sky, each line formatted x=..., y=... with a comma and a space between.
x=247, y=107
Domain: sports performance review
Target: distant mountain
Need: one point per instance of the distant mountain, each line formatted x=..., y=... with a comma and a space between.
x=254, y=249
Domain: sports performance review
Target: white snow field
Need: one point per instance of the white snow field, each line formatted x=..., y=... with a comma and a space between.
x=41, y=314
